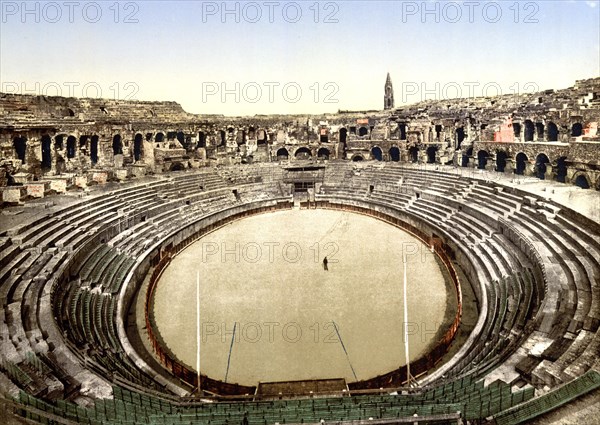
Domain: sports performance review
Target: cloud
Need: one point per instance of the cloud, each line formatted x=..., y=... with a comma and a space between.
x=592, y=3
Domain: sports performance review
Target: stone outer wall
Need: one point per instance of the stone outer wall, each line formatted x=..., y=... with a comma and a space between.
x=45, y=137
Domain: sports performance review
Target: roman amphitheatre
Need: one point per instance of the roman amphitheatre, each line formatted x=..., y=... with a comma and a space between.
x=163, y=267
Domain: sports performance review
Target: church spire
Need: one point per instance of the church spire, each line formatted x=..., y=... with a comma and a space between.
x=388, y=98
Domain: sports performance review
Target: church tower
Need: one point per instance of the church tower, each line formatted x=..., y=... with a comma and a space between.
x=388, y=98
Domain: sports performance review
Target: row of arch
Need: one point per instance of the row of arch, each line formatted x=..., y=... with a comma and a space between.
x=521, y=160
x=304, y=153
x=529, y=130
x=549, y=132
x=540, y=168
x=538, y=130
x=60, y=140
x=71, y=144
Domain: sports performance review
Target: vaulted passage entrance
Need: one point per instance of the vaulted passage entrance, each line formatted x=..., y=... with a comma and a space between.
x=376, y=153
x=540, y=166
x=521, y=163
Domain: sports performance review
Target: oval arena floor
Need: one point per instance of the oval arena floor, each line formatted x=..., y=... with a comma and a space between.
x=294, y=320
x=74, y=270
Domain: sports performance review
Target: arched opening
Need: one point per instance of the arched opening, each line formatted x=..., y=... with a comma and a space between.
x=323, y=153
x=303, y=153
x=46, y=152
x=343, y=135
x=376, y=153
x=539, y=128
x=20, y=145
x=521, y=160
x=552, y=132
x=431, y=151
x=70, y=112
x=58, y=141
x=438, y=132
x=402, y=128
x=71, y=146
x=181, y=138
x=577, y=130
x=394, y=153
x=177, y=166
x=460, y=136
x=223, y=138
x=540, y=166
x=363, y=131
x=413, y=151
x=561, y=169
x=517, y=129
x=117, y=145
x=466, y=157
x=83, y=141
x=94, y=149
x=261, y=137
x=529, y=130
x=201, y=140
x=159, y=137
x=137, y=146
x=282, y=154
x=251, y=132
x=582, y=181
x=482, y=159
x=357, y=158
x=500, y=161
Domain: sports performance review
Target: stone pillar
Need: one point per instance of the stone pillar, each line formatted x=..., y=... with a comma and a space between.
x=529, y=169
x=509, y=169
x=404, y=155
x=457, y=158
x=473, y=162
x=549, y=174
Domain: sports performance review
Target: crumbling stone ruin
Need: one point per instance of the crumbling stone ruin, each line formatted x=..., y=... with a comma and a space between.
x=55, y=143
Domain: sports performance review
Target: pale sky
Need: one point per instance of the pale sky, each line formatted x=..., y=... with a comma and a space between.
x=246, y=58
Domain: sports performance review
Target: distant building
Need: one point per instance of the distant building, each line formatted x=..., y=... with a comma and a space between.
x=388, y=98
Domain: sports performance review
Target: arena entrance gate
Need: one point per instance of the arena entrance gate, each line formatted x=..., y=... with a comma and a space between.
x=303, y=178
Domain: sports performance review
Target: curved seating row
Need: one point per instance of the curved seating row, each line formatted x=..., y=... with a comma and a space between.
x=537, y=270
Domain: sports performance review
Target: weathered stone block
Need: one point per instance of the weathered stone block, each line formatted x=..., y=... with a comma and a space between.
x=121, y=174
x=22, y=178
x=59, y=185
x=100, y=177
x=12, y=194
x=38, y=189
x=81, y=181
